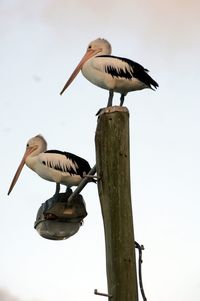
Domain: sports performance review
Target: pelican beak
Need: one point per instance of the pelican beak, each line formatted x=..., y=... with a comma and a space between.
x=19, y=169
x=89, y=53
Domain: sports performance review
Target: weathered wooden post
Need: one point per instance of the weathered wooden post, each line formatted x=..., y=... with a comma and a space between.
x=113, y=168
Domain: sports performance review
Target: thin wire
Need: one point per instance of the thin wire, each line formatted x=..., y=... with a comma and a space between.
x=140, y=249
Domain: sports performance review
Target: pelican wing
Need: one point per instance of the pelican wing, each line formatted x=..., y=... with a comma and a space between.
x=65, y=162
x=124, y=68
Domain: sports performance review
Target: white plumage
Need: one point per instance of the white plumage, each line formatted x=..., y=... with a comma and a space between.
x=116, y=74
x=53, y=165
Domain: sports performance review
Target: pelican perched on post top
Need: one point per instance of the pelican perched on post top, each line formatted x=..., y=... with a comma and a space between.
x=52, y=165
x=116, y=74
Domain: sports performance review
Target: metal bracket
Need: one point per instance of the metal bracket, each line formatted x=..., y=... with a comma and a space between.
x=82, y=184
x=102, y=294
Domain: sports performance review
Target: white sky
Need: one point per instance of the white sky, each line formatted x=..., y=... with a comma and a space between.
x=41, y=43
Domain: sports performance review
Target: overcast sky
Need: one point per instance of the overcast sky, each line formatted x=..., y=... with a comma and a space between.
x=41, y=43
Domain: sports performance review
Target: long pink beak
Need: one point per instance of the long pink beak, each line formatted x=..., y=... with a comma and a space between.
x=19, y=169
x=89, y=53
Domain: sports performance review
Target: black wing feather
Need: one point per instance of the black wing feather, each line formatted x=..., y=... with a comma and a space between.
x=82, y=166
x=135, y=70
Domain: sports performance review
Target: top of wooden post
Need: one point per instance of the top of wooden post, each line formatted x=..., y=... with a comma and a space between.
x=113, y=109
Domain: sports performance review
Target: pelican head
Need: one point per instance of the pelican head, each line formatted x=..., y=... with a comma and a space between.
x=37, y=143
x=98, y=46
x=102, y=44
x=34, y=146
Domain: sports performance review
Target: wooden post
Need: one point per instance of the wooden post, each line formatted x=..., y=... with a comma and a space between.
x=113, y=168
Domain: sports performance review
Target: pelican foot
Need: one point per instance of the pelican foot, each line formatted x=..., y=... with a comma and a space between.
x=102, y=110
x=99, y=111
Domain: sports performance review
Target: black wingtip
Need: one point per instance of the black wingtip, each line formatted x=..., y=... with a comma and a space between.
x=154, y=85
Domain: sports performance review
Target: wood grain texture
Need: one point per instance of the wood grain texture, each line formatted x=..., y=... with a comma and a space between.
x=113, y=168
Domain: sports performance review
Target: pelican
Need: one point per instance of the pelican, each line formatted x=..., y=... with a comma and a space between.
x=116, y=74
x=52, y=165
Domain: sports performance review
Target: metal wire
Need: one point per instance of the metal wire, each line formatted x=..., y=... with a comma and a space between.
x=140, y=249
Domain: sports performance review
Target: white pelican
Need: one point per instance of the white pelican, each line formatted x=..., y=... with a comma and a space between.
x=52, y=165
x=116, y=74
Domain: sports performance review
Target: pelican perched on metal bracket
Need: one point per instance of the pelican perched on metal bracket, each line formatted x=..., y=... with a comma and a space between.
x=116, y=74
x=52, y=165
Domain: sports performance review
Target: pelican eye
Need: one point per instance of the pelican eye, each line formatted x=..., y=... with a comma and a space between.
x=89, y=47
x=27, y=145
